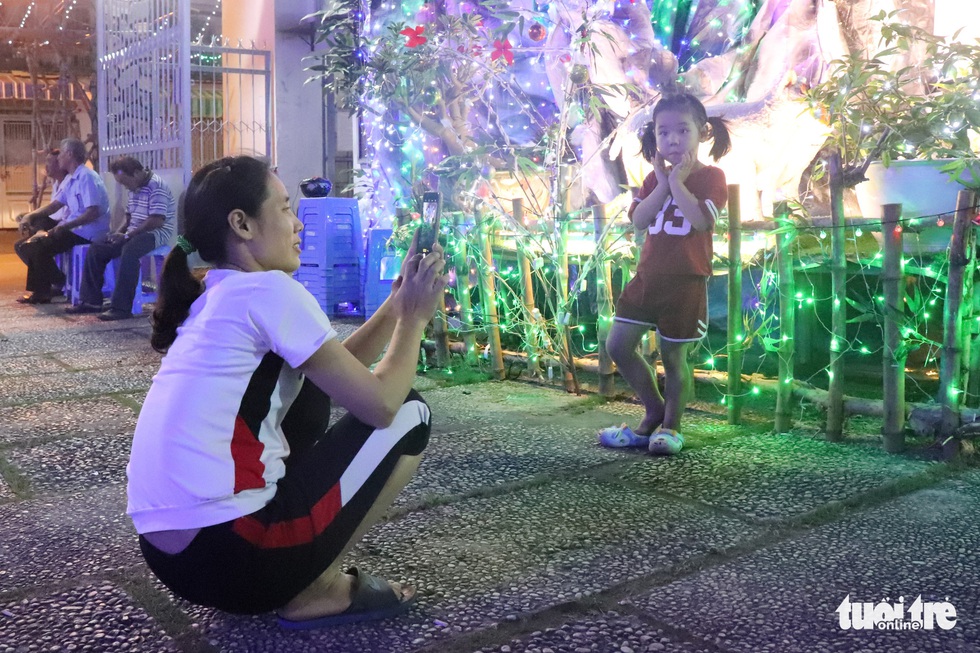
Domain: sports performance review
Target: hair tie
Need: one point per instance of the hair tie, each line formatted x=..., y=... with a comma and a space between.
x=185, y=245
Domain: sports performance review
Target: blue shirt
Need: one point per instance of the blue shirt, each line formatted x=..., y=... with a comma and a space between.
x=80, y=190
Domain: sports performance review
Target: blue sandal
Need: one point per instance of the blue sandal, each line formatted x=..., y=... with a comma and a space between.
x=372, y=598
x=621, y=437
x=666, y=442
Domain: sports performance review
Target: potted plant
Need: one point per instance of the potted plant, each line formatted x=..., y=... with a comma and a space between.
x=907, y=114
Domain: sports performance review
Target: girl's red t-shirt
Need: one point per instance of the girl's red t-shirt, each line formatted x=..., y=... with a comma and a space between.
x=673, y=246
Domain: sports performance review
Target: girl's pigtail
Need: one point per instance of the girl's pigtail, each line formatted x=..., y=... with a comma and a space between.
x=721, y=137
x=648, y=142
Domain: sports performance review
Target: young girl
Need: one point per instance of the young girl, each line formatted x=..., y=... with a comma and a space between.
x=677, y=205
x=243, y=498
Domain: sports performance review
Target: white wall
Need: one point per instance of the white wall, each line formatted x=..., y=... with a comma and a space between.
x=298, y=114
x=250, y=23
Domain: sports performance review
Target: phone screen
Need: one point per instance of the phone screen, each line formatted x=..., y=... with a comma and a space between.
x=429, y=230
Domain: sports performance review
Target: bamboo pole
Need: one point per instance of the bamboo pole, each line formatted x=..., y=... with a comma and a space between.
x=440, y=332
x=893, y=362
x=968, y=316
x=440, y=325
x=838, y=268
x=787, y=317
x=649, y=345
x=736, y=339
x=607, y=371
x=561, y=280
x=527, y=291
x=461, y=263
x=973, y=326
x=954, y=335
x=489, y=295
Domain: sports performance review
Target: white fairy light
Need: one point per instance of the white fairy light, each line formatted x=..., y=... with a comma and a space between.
x=26, y=14
x=207, y=22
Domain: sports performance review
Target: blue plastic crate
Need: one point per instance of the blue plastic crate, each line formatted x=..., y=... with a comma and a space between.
x=331, y=231
x=331, y=253
x=336, y=289
x=382, y=268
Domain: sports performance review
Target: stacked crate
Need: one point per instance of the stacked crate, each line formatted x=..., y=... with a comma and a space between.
x=383, y=265
x=331, y=250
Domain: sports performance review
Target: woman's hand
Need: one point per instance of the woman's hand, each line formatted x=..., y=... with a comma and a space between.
x=409, y=256
x=419, y=289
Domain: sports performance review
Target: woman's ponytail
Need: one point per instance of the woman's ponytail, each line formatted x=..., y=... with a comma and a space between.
x=179, y=287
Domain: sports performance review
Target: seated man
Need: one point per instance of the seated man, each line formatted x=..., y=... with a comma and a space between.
x=54, y=173
x=84, y=194
x=151, y=221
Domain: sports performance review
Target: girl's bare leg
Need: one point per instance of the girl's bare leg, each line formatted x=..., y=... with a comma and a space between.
x=678, y=383
x=622, y=343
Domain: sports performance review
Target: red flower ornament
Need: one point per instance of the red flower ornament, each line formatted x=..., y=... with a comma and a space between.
x=414, y=35
x=502, y=49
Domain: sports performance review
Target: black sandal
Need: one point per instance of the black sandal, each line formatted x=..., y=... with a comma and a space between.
x=372, y=599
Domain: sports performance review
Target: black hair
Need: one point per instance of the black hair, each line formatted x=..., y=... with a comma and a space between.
x=215, y=190
x=722, y=139
x=126, y=165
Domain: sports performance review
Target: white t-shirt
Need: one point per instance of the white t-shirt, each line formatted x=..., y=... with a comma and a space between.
x=79, y=190
x=209, y=445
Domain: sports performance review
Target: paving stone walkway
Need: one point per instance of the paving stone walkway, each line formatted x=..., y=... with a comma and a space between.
x=523, y=535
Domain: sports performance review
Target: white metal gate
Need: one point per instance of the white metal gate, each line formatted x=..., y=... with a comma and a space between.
x=231, y=91
x=16, y=175
x=21, y=167
x=16, y=157
x=172, y=104
x=144, y=83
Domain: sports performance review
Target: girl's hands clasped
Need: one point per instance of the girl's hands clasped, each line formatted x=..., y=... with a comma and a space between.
x=683, y=168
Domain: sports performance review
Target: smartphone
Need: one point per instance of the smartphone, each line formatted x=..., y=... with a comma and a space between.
x=431, y=216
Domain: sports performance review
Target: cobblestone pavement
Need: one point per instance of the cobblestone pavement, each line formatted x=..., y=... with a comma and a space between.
x=521, y=533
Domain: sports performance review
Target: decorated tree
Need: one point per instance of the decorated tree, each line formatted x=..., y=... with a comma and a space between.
x=492, y=101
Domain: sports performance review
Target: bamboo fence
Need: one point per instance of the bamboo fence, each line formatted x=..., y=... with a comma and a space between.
x=960, y=349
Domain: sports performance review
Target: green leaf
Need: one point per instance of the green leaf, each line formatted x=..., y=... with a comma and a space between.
x=595, y=106
x=867, y=317
x=770, y=344
x=864, y=308
x=914, y=300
